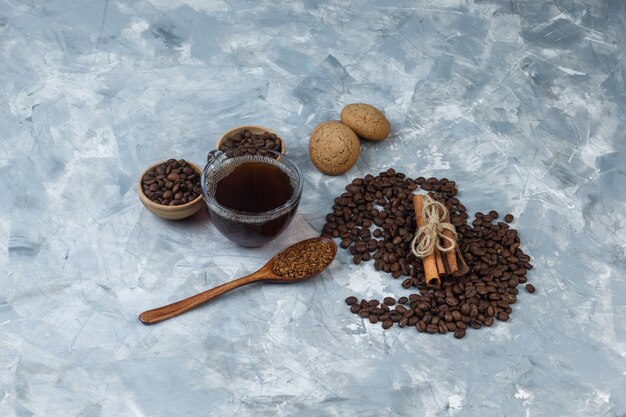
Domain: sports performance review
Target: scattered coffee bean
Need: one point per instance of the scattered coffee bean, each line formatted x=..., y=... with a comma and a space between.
x=459, y=334
x=491, y=250
x=388, y=301
x=351, y=300
x=530, y=288
x=171, y=183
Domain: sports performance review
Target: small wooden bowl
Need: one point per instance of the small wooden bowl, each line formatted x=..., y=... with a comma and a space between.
x=254, y=129
x=170, y=212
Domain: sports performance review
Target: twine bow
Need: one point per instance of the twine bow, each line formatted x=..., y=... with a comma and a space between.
x=430, y=236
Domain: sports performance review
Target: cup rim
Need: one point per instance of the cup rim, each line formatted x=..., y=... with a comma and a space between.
x=247, y=216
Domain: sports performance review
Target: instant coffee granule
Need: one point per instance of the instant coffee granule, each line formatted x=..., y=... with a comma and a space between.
x=304, y=258
x=375, y=221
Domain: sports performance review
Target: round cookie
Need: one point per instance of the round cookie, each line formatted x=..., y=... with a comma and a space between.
x=367, y=121
x=334, y=148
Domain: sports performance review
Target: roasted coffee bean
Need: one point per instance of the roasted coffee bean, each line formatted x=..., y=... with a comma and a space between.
x=465, y=309
x=423, y=306
x=373, y=318
x=491, y=250
x=351, y=300
x=451, y=301
x=427, y=317
x=180, y=188
x=530, y=288
x=442, y=328
x=432, y=328
x=254, y=143
x=387, y=324
x=459, y=334
x=355, y=308
x=389, y=301
x=364, y=313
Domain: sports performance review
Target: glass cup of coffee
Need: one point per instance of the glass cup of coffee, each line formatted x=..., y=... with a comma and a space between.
x=251, y=198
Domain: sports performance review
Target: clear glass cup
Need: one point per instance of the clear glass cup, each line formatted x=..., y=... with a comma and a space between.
x=251, y=199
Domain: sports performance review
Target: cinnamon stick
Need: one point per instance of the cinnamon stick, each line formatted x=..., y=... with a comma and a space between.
x=431, y=273
x=450, y=255
x=463, y=268
x=439, y=261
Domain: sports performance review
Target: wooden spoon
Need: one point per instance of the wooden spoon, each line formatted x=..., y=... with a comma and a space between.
x=264, y=274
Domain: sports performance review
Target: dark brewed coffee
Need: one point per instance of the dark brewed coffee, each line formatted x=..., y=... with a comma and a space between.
x=253, y=192
x=254, y=187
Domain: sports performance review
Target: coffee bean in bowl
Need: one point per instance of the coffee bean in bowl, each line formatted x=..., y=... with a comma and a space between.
x=171, y=189
x=251, y=140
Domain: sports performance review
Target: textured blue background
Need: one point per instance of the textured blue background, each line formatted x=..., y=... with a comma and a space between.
x=522, y=102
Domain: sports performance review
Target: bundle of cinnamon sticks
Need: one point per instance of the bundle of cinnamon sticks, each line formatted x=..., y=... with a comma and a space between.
x=436, y=265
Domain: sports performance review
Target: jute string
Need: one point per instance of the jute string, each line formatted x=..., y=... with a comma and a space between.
x=430, y=236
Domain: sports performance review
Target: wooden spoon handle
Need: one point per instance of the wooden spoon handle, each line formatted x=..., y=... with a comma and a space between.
x=171, y=310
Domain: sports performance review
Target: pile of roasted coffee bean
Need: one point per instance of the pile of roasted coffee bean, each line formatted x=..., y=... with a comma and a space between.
x=491, y=250
x=255, y=144
x=171, y=183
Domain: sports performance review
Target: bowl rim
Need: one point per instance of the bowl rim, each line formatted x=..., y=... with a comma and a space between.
x=234, y=130
x=251, y=217
x=144, y=198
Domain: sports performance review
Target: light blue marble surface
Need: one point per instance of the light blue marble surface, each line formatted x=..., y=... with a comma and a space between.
x=522, y=102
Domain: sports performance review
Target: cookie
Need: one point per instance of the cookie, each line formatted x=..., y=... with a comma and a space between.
x=367, y=121
x=334, y=148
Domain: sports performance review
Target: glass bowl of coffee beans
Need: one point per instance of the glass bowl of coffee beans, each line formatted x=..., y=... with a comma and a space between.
x=256, y=140
x=171, y=189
